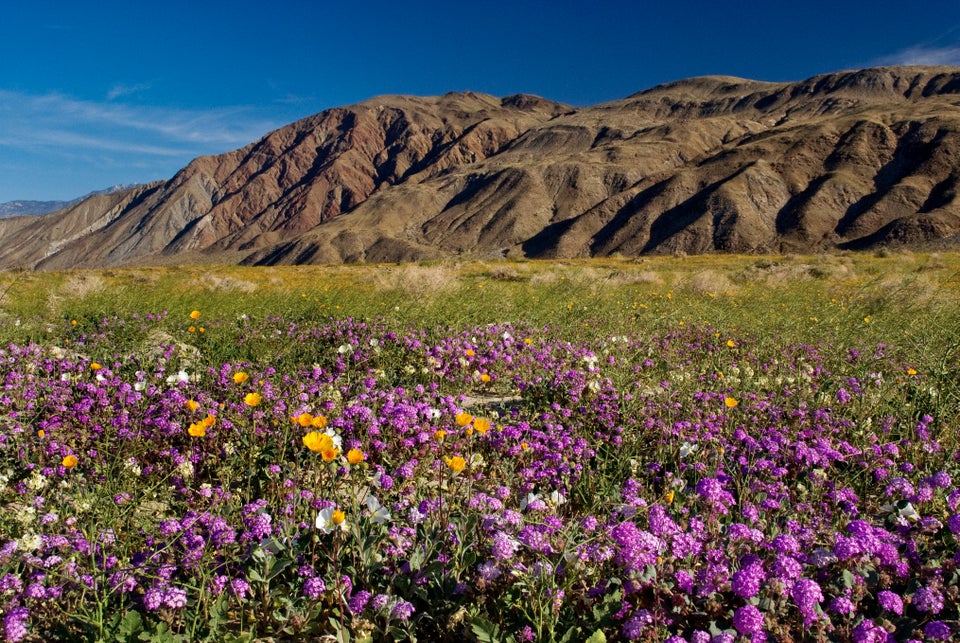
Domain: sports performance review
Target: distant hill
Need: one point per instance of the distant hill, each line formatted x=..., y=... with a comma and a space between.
x=854, y=159
x=33, y=208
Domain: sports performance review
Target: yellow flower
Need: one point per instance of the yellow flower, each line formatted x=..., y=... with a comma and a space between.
x=318, y=422
x=195, y=315
x=337, y=517
x=197, y=429
x=200, y=330
x=668, y=497
x=482, y=425
x=209, y=421
x=41, y=433
x=469, y=352
x=456, y=463
x=192, y=405
x=73, y=322
x=439, y=434
x=240, y=377
x=463, y=419
x=317, y=442
x=731, y=343
x=730, y=402
x=528, y=341
x=304, y=419
x=355, y=456
x=330, y=454
x=911, y=371
x=484, y=377
x=70, y=461
x=95, y=366
x=252, y=399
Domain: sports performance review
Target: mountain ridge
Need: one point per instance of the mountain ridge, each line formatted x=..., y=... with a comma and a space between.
x=852, y=159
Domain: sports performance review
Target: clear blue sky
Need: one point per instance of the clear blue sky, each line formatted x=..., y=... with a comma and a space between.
x=98, y=93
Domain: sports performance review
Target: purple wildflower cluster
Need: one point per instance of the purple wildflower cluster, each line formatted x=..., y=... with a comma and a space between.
x=663, y=487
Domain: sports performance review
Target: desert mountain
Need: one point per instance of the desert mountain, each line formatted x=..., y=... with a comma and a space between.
x=714, y=164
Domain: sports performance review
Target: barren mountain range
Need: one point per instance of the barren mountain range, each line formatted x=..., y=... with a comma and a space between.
x=714, y=164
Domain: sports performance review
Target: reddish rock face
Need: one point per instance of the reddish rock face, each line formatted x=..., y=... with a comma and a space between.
x=715, y=164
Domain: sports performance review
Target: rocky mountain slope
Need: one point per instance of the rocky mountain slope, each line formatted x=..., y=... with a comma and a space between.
x=715, y=164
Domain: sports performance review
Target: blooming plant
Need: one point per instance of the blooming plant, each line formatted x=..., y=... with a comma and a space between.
x=495, y=481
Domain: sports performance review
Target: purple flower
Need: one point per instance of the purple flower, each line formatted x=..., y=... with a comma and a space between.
x=314, y=587
x=239, y=587
x=807, y=595
x=403, y=610
x=843, y=605
x=153, y=598
x=868, y=632
x=748, y=620
x=359, y=601
x=890, y=602
x=746, y=581
x=378, y=602
x=15, y=623
x=504, y=547
x=937, y=630
x=175, y=598
x=632, y=629
x=927, y=599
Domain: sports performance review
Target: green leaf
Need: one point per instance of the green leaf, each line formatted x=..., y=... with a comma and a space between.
x=597, y=637
x=484, y=630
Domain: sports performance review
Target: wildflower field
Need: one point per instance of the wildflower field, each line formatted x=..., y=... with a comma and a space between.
x=678, y=449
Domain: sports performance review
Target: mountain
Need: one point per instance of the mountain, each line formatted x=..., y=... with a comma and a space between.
x=29, y=208
x=32, y=208
x=853, y=159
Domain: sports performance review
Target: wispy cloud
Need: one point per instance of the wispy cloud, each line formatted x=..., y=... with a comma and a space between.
x=119, y=90
x=54, y=144
x=29, y=121
x=923, y=55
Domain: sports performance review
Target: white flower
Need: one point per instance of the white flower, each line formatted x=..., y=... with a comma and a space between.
x=180, y=376
x=325, y=521
x=556, y=498
x=30, y=542
x=337, y=440
x=686, y=449
x=378, y=512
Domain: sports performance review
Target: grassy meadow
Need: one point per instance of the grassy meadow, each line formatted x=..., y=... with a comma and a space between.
x=667, y=449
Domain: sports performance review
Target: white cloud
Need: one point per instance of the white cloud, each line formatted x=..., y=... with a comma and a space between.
x=923, y=55
x=119, y=89
x=30, y=120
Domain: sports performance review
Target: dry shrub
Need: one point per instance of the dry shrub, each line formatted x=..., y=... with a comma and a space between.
x=217, y=283
x=710, y=281
x=416, y=280
x=76, y=286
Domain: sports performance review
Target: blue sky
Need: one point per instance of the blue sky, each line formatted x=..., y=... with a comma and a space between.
x=100, y=93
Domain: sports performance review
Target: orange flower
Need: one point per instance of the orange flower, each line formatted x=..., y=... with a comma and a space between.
x=41, y=433
x=252, y=399
x=463, y=419
x=482, y=425
x=469, y=352
x=195, y=315
x=484, y=377
x=240, y=377
x=319, y=422
x=209, y=421
x=330, y=454
x=304, y=419
x=317, y=442
x=439, y=434
x=192, y=405
x=355, y=456
x=456, y=463
x=668, y=497
x=730, y=402
x=197, y=429
x=70, y=461
x=95, y=366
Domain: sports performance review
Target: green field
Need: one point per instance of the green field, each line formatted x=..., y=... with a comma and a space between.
x=687, y=447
